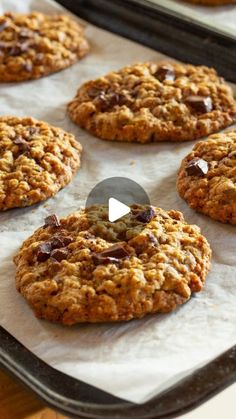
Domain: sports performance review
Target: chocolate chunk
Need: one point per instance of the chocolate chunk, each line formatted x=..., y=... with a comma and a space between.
x=52, y=221
x=60, y=241
x=17, y=49
x=113, y=254
x=9, y=14
x=146, y=216
x=116, y=251
x=104, y=102
x=200, y=103
x=108, y=101
x=3, y=25
x=22, y=144
x=164, y=73
x=101, y=260
x=94, y=92
x=33, y=130
x=197, y=167
x=44, y=251
x=3, y=47
x=87, y=235
x=59, y=254
x=152, y=238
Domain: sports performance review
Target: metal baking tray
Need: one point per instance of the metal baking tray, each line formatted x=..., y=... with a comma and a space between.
x=165, y=30
x=148, y=25
x=80, y=400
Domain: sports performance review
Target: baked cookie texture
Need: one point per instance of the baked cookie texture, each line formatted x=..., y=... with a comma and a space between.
x=212, y=188
x=36, y=161
x=154, y=102
x=211, y=2
x=35, y=45
x=87, y=269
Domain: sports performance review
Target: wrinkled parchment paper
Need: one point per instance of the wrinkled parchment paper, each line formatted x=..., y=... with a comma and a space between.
x=220, y=18
x=134, y=360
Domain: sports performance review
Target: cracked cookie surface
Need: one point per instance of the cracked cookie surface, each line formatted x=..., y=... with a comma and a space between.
x=36, y=161
x=85, y=269
x=213, y=190
x=154, y=102
x=35, y=45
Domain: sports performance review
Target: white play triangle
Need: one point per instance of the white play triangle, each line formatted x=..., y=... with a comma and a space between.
x=116, y=209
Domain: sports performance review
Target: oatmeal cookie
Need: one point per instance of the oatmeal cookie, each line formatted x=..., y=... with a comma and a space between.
x=84, y=268
x=36, y=161
x=207, y=177
x=154, y=102
x=35, y=45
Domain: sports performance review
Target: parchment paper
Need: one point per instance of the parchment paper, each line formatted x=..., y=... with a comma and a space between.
x=132, y=360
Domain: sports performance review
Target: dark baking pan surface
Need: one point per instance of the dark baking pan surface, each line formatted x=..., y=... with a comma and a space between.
x=155, y=27
x=80, y=400
x=162, y=29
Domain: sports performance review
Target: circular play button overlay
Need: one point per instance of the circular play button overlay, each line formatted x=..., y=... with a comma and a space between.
x=118, y=209
x=118, y=194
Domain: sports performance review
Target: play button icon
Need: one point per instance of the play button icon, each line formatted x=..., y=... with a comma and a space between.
x=112, y=207
x=116, y=209
x=118, y=193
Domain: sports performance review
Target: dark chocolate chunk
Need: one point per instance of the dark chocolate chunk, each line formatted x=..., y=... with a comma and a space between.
x=87, y=235
x=52, y=221
x=113, y=254
x=101, y=260
x=22, y=144
x=3, y=25
x=146, y=216
x=94, y=92
x=197, y=167
x=44, y=251
x=200, y=103
x=60, y=241
x=59, y=254
x=17, y=49
x=164, y=73
x=104, y=102
x=33, y=130
x=152, y=238
x=108, y=101
x=9, y=14
x=116, y=251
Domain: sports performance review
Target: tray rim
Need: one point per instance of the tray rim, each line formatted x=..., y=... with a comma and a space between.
x=53, y=386
x=156, y=27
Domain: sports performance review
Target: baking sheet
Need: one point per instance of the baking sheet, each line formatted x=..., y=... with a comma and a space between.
x=220, y=18
x=134, y=360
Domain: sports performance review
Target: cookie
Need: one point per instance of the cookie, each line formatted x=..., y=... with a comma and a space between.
x=36, y=161
x=83, y=268
x=207, y=177
x=154, y=102
x=34, y=45
x=211, y=2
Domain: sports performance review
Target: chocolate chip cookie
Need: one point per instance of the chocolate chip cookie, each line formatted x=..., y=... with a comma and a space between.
x=154, y=102
x=36, y=161
x=84, y=268
x=35, y=45
x=207, y=177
